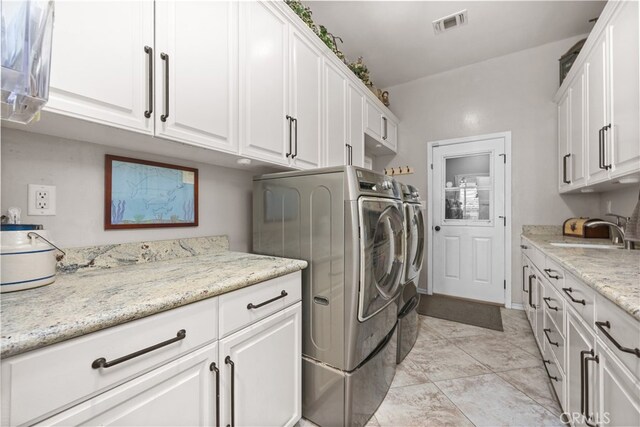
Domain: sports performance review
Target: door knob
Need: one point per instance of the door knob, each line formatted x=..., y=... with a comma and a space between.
x=437, y=228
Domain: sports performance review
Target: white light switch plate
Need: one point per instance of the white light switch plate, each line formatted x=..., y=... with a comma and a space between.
x=41, y=200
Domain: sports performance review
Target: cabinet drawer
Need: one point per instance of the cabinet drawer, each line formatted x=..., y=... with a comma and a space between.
x=246, y=306
x=554, y=306
x=580, y=297
x=622, y=328
x=554, y=340
x=554, y=273
x=527, y=247
x=43, y=382
x=555, y=375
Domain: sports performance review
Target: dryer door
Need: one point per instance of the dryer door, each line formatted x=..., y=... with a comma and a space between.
x=415, y=239
x=382, y=257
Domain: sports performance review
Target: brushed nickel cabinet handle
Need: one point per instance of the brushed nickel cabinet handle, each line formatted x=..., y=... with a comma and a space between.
x=607, y=324
x=149, y=51
x=269, y=301
x=165, y=58
x=103, y=363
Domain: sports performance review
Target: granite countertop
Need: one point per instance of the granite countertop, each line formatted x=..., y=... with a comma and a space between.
x=90, y=299
x=613, y=273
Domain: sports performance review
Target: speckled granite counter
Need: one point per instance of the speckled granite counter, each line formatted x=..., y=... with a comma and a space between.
x=119, y=288
x=614, y=273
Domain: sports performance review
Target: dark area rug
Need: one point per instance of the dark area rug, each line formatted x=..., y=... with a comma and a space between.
x=462, y=311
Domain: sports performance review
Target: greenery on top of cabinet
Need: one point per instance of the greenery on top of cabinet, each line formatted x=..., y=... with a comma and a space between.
x=357, y=67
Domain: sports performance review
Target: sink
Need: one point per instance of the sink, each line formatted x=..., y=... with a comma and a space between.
x=585, y=245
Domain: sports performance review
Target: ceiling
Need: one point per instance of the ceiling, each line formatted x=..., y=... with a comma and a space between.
x=397, y=40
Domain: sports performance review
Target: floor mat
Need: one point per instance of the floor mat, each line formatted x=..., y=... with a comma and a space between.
x=462, y=311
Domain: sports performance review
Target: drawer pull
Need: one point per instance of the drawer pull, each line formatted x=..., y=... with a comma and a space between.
x=524, y=271
x=568, y=292
x=102, y=362
x=524, y=247
x=546, y=334
x=213, y=368
x=531, y=277
x=602, y=325
x=546, y=301
x=548, y=271
x=269, y=301
x=548, y=362
x=229, y=362
x=585, y=390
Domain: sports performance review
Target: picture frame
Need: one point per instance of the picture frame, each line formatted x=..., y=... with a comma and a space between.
x=146, y=194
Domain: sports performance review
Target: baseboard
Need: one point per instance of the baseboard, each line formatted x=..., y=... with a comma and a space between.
x=517, y=306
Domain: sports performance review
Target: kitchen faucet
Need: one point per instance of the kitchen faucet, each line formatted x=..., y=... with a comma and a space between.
x=618, y=230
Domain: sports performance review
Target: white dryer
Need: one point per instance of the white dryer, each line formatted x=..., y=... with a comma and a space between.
x=414, y=256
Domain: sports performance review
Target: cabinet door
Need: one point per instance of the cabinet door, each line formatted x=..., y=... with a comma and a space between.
x=356, y=126
x=99, y=70
x=264, y=98
x=597, y=112
x=390, y=133
x=373, y=120
x=306, y=80
x=576, y=161
x=579, y=341
x=335, y=115
x=180, y=393
x=624, y=48
x=618, y=392
x=262, y=365
x=198, y=42
x=564, y=148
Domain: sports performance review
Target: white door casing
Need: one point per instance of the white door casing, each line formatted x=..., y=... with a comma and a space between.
x=470, y=258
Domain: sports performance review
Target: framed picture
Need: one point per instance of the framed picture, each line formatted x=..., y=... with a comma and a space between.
x=144, y=194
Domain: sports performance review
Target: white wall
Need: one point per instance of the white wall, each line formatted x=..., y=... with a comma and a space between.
x=77, y=170
x=623, y=201
x=510, y=93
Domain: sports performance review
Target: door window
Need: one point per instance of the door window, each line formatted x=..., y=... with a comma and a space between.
x=468, y=188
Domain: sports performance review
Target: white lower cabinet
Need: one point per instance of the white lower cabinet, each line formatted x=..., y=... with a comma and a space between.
x=261, y=372
x=180, y=393
x=588, y=345
x=228, y=360
x=617, y=394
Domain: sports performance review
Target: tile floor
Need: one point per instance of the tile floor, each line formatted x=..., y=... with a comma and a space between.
x=462, y=375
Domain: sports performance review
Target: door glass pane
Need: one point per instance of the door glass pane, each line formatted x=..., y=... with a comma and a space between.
x=468, y=188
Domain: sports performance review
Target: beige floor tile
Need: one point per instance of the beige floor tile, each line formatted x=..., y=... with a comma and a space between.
x=488, y=400
x=305, y=423
x=444, y=360
x=427, y=333
x=373, y=422
x=407, y=373
x=419, y=405
x=534, y=383
x=497, y=353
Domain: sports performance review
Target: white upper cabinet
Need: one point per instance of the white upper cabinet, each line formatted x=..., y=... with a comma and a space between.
x=356, y=127
x=373, y=120
x=624, y=84
x=390, y=133
x=571, y=135
x=305, y=106
x=196, y=64
x=606, y=83
x=100, y=71
x=335, y=123
x=264, y=89
x=597, y=166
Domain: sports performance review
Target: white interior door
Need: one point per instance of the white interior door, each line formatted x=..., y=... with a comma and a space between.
x=468, y=196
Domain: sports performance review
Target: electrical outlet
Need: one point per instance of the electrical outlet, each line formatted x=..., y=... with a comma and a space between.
x=41, y=200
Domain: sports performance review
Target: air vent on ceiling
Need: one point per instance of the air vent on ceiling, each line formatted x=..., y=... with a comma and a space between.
x=449, y=22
